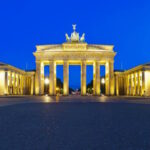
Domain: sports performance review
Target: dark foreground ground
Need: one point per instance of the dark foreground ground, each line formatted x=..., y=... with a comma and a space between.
x=74, y=123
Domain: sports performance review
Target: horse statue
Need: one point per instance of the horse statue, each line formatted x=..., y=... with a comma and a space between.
x=67, y=37
x=82, y=39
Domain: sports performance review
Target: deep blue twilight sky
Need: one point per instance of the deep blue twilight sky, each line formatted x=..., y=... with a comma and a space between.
x=26, y=23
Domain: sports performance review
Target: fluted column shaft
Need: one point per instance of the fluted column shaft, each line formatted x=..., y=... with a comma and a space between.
x=52, y=78
x=66, y=78
x=127, y=84
x=138, y=83
x=6, y=82
x=131, y=84
x=117, y=86
x=135, y=84
x=143, y=82
x=32, y=85
x=83, y=78
x=13, y=82
x=109, y=78
x=10, y=82
x=39, y=78
x=96, y=78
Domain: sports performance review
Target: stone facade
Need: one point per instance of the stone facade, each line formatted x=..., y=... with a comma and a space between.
x=14, y=81
x=75, y=54
x=134, y=82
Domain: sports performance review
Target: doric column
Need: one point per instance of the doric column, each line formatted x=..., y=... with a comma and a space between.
x=143, y=83
x=135, y=83
x=127, y=76
x=138, y=86
x=66, y=78
x=10, y=82
x=52, y=78
x=131, y=84
x=6, y=82
x=24, y=85
x=83, y=78
x=96, y=78
x=15, y=83
x=117, y=85
x=109, y=78
x=32, y=85
x=22, y=78
x=21, y=84
x=39, y=78
x=125, y=84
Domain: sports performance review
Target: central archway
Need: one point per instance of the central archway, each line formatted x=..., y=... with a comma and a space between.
x=74, y=79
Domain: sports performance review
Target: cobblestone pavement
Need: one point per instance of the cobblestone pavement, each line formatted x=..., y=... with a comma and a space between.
x=74, y=123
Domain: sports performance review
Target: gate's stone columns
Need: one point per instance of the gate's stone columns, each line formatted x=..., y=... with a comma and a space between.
x=109, y=78
x=66, y=78
x=83, y=78
x=96, y=78
x=39, y=78
x=52, y=78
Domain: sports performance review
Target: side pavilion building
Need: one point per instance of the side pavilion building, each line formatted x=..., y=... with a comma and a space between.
x=74, y=52
x=14, y=81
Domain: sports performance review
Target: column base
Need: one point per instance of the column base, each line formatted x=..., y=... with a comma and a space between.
x=96, y=94
x=52, y=94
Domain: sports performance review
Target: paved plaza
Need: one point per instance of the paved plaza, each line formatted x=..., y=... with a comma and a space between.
x=74, y=123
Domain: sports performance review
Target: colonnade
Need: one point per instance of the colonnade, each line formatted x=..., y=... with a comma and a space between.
x=109, y=77
x=18, y=84
x=136, y=83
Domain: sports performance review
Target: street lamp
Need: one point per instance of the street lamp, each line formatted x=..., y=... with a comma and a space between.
x=46, y=81
x=103, y=81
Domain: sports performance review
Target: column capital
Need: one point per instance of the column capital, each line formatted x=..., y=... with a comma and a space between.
x=65, y=61
x=38, y=62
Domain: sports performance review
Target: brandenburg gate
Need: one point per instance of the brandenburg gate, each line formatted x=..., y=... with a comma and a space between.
x=75, y=52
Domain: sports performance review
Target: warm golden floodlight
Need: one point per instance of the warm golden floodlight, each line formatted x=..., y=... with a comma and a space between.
x=46, y=81
x=103, y=81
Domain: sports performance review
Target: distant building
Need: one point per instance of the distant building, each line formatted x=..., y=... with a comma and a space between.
x=134, y=82
x=14, y=81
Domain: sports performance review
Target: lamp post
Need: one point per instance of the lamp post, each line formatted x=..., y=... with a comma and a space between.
x=46, y=81
x=103, y=85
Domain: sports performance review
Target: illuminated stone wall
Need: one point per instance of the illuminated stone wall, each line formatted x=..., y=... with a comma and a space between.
x=14, y=81
x=74, y=54
x=2, y=82
x=133, y=82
